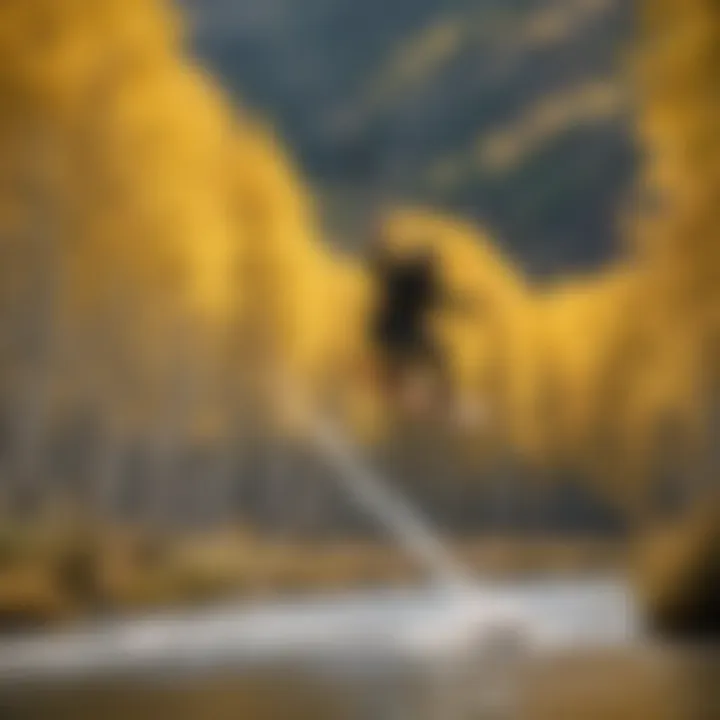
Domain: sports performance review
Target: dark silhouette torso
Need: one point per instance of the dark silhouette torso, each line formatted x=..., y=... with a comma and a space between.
x=409, y=290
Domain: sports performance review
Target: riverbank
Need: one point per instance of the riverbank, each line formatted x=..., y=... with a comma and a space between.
x=55, y=574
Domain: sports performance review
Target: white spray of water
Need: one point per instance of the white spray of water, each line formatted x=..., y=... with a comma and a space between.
x=370, y=490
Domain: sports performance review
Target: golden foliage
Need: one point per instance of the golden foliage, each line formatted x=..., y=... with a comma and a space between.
x=176, y=246
x=170, y=234
x=613, y=373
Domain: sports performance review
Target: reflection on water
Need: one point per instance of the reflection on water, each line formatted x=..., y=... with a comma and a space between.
x=644, y=683
x=639, y=684
x=593, y=663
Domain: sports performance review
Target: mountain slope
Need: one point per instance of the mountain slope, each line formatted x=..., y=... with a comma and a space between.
x=412, y=99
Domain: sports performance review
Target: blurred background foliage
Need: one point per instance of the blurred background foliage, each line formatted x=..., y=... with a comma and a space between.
x=165, y=257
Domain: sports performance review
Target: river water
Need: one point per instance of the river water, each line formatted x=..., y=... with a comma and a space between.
x=590, y=659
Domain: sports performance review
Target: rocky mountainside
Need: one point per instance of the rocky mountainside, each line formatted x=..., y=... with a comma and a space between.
x=514, y=112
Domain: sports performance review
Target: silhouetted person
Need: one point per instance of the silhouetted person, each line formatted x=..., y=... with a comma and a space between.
x=409, y=290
